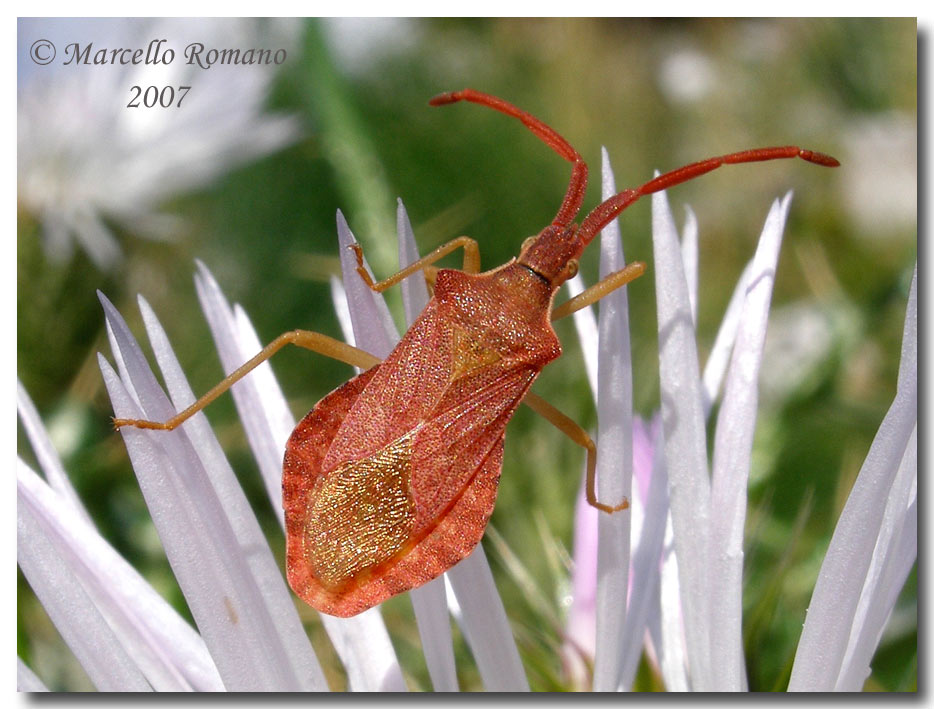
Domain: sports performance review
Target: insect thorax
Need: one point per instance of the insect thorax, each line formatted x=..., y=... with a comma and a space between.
x=505, y=311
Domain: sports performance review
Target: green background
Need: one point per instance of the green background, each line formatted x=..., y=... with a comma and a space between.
x=267, y=231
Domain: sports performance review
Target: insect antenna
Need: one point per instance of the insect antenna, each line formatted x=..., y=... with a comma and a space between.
x=605, y=212
x=574, y=196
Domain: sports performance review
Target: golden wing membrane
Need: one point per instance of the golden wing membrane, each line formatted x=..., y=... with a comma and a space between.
x=361, y=515
x=371, y=527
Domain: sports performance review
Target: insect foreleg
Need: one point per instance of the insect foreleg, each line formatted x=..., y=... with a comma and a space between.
x=314, y=341
x=581, y=438
x=615, y=280
x=471, y=262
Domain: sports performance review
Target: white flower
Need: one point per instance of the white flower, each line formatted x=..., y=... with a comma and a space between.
x=874, y=545
x=668, y=576
x=684, y=595
x=85, y=160
x=250, y=636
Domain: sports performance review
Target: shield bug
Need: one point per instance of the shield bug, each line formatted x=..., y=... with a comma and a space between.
x=391, y=478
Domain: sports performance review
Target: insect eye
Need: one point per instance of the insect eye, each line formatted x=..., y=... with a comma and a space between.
x=571, y=268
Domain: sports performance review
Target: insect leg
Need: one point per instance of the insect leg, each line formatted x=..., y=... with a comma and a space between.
x=314, y=341
x=615, y=280
x=471, y=262
x=580, y=437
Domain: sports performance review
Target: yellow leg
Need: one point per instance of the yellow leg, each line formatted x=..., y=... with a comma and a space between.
x=580, y=437
x=314, y=341
x=471, y=262
x=609, y=284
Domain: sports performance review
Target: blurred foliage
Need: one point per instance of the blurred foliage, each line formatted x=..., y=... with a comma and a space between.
x=267, y=232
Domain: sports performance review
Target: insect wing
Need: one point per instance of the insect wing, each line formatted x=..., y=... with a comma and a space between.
x=301, y=470
x=452, y=444
x=400, y=396
x=369, y=528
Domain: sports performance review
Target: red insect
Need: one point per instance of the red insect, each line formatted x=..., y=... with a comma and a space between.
x=390, y=480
